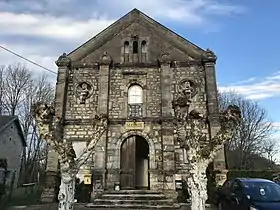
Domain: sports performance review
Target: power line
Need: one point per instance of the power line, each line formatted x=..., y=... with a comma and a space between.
x=30, y=61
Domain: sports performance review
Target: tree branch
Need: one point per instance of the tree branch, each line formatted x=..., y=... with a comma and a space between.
x=100, y=126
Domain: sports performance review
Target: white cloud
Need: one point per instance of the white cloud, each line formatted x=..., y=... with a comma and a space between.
x=57, y=27
x=251, y=79
x=46, y=26
x=31, y=53
x=191, y=12
x=256, y=88
x=276, y=126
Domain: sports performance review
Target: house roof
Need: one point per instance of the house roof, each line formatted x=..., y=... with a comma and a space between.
x=6, y=120
x=133, y=16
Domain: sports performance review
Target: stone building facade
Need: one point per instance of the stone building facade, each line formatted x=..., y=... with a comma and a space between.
x=131, y=71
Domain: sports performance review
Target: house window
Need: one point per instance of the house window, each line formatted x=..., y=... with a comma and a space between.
x=135, y=101
x=135, y=47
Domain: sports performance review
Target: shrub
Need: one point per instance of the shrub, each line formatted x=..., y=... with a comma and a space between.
x=264, y=174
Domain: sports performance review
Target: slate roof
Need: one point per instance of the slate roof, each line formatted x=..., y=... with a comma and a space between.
x=6, y=120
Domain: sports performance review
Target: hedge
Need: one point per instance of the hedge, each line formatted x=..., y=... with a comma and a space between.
x=265, y=174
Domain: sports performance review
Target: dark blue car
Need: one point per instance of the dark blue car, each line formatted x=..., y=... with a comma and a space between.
x=249, y=194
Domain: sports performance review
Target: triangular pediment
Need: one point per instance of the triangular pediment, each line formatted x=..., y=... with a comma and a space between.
x=134, y=23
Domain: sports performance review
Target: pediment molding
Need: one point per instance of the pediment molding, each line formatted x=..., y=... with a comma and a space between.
x=137, y=17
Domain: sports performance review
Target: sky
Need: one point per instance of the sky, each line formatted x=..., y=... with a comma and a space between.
x=243, y=34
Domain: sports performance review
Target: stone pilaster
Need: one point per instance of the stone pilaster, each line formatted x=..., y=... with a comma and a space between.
x=99, y=180
x=51, y=185
x=168, y=151
x=209, y=61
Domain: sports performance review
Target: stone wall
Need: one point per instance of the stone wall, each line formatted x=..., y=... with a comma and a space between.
x=166, y=157
x=197, y=74
x=120, y=81
x=74, y=108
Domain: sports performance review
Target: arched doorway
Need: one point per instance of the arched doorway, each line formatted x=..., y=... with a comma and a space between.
x=134, y=163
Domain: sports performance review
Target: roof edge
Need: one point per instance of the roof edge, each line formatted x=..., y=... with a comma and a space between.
x=137, y=12
x=104, y=30
x=16, y=120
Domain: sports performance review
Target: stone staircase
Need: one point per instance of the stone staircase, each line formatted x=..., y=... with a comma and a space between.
x=133, y=199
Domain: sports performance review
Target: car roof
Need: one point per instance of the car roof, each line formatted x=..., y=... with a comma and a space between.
x=254, y=180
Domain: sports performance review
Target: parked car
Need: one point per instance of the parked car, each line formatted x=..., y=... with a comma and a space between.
x=248, y=194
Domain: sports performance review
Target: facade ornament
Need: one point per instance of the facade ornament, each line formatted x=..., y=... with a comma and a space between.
x=83, y=91
x=105, y=59
x=165, y=58
x=209, y=56
x=187, y=88
x=63, y=60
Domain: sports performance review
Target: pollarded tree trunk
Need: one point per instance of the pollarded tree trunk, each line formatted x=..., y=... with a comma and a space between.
x=192, y=130
x=197, y=182
x=66, y=191
x=51, y=127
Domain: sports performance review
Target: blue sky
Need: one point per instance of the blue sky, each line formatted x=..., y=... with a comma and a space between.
x=243, y=34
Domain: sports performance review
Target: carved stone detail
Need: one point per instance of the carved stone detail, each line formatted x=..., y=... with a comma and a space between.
x=105, y=59
x=83, y=91
x=209, y=56
x=165, y=58
x=187, y=88
x=63, y=60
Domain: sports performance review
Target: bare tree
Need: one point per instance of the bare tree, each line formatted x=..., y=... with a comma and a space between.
x=19, y=89
x=40, y=90
x=17, y=81
x=192, y=127
x=50, y=127
x=252, y=133
x=271, y=149
x=1, y=89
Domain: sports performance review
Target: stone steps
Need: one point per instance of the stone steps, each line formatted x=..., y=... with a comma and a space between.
x=133, y=206
x=138, y=192
x=120, y=202
x=133, y=199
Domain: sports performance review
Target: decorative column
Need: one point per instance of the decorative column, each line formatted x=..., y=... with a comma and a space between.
x=100, y=160
x=167, y=129
x=52, y=180
x=209, y=61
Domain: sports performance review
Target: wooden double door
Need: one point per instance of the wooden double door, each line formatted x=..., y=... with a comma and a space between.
x=134, y=163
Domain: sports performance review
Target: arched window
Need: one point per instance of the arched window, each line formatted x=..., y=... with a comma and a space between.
x=126, y=51
x=135, y=47
x=135, y=94
x=143, y=51
x=143, y=47
x=126, y=47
